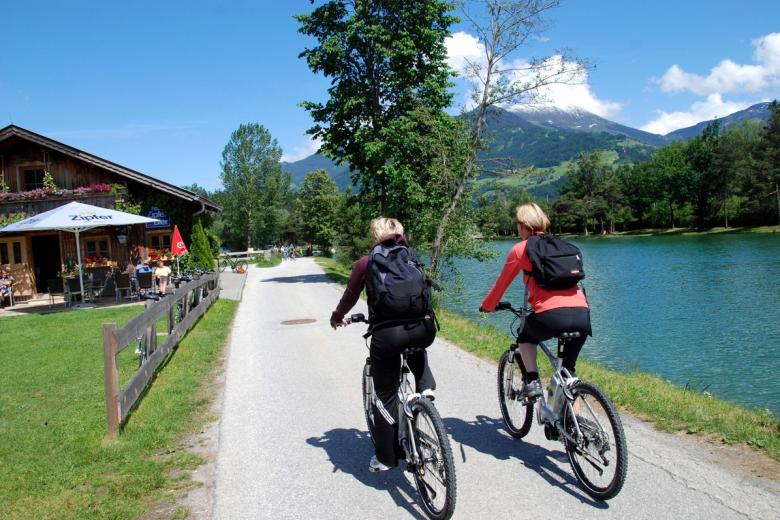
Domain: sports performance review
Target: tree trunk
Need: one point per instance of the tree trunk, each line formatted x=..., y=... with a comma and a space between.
x=476, y=134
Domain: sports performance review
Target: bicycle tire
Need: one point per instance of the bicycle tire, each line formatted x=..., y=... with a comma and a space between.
x=518, y=416
x=244, y=265
x=368, y=399
x=438, y=466
x=223, y=265
x=597, y=443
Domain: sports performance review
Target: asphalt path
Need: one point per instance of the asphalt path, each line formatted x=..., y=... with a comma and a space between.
x=293, y=440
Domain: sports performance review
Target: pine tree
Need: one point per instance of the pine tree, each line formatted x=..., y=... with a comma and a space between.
x=200, y=254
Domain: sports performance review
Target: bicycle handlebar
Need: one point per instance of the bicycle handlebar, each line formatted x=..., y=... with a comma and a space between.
x=356, y=318
x=507, y=306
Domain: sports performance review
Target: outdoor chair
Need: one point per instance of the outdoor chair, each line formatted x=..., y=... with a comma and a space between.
x=9, y=296
x=55, y=287
x=144, y=281
x=124, y=284
x=98, y=280
x=72, y=290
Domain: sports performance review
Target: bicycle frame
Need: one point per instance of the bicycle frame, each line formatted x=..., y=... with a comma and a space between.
x=405, y=397
x=551, y=412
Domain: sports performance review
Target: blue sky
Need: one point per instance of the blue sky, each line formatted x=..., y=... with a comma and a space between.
x=159, y=86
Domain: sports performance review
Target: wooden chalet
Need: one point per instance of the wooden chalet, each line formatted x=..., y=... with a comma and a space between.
x=35, y=257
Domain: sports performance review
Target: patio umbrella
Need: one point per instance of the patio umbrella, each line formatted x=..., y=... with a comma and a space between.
x=76, y=217
x=178, y=247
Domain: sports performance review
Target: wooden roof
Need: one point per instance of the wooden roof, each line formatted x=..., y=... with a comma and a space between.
x=122, y=171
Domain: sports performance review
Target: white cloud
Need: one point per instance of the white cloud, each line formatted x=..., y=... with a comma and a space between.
x=574, y=93
x=464, y=49
x=728, y=76
x=711, y=108
x=303, y=150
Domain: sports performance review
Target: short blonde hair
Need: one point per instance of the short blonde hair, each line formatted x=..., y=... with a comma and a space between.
x=532, y=217
x=381, y=227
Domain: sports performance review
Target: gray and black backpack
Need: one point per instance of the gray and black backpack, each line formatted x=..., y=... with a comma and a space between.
x=397, y=286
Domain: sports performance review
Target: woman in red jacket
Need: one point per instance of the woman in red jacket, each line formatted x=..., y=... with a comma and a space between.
x=555, y=310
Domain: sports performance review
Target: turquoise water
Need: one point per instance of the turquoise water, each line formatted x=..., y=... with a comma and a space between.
x=702, y=311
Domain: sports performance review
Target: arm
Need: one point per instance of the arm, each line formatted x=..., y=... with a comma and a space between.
x=512, y=267
x=352, y=293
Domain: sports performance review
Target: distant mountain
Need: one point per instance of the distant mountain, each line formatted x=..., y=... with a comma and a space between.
x=759, y=111
x=547, y=138
x=299, y=169
x=583, y=121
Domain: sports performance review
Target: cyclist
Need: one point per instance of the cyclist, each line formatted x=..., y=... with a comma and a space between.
x=388, y=340
x=555, y=311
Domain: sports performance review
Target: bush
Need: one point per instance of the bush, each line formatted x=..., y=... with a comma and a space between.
x=200, y=254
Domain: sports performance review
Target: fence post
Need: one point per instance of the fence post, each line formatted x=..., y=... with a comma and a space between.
x=111, y=375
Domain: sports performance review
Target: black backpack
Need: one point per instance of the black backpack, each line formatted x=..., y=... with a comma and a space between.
x=397, y=287
x=557, y=264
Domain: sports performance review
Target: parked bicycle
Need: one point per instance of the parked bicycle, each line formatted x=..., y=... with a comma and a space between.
x=233, y=262
x=422, y=436
x=574, y=412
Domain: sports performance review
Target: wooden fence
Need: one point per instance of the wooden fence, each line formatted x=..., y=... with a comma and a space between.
x=182, y=309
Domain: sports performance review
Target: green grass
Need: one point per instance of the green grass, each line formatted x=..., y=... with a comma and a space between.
x=56, y=459
x=669, y=407
x=334, y=269
x=271, y=262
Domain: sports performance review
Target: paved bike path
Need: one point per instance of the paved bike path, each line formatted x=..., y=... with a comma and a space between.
x=293, y=441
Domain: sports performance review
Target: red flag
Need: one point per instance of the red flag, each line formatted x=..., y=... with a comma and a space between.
x=177, y=244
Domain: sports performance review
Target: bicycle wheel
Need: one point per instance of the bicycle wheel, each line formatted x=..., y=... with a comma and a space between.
x=368, y=399
x=435, y=475
x=517, y=414
x=223, y=264
x=244, y=265
x=599, y=457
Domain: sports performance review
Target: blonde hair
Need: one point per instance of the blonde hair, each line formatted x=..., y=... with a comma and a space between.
x=381, y=227
x=532, y=217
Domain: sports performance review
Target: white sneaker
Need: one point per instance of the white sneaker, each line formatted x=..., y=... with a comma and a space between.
x=428, y=392
x=374, y=466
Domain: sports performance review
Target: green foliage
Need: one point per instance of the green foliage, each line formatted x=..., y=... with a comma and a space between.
x=384, y=60
x=200, y=250
x=48, y=181
x=717, y=178
x=256, y=191
x=318, y=203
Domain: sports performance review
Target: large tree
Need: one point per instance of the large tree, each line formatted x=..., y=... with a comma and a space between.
x=385, y=59
x=255, y=189
x=318, y=203
x=502, y=28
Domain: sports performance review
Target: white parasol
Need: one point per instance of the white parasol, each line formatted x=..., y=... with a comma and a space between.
x=76, y=217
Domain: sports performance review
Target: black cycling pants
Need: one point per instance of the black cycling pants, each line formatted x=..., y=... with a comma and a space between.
x=387, y=343
x=549, y=324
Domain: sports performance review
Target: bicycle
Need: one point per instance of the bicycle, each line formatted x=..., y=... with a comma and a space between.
x=233, y=263
x=575, y=412
x=422, y=436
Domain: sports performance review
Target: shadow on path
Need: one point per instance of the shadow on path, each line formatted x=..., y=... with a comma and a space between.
x=486, y=435
x=303, y=278
x=349, y=451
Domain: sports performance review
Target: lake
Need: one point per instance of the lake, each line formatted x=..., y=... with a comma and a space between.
x=702, y=311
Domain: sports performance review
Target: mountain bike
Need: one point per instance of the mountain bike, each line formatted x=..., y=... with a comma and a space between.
x=574, y=412
x=422, y=436
x=234, y=263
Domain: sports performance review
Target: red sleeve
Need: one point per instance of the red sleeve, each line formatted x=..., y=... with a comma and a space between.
x=352, y=293
x=515, y=262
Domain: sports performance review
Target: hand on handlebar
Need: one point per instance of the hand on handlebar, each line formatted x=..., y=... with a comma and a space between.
x=337, y=324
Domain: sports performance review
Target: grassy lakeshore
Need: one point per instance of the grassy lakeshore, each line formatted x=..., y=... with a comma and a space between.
x=56, y=461
x=669, y=407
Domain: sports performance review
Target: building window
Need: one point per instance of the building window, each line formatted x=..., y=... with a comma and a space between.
x=161, y=241
x=97, y=247
x=33, y=178
x=11, y=252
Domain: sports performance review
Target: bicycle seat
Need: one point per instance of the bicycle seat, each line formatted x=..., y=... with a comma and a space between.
x=568, y=335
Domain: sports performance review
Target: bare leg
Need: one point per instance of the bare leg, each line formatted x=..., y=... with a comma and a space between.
x=528, y=354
